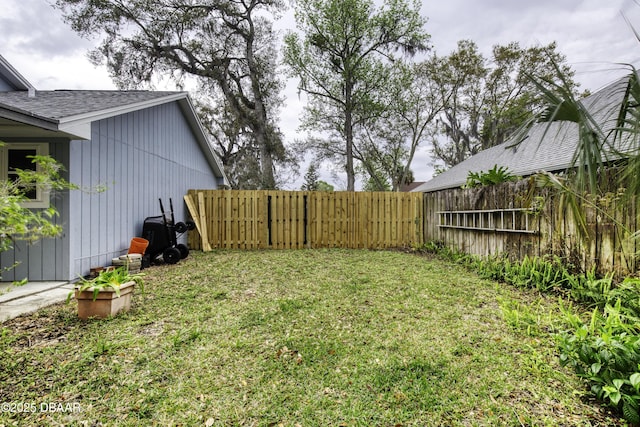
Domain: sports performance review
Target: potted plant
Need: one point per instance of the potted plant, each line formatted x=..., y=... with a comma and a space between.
x=108, y=294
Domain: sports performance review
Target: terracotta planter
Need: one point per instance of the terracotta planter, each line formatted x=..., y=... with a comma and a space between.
x=108, y=303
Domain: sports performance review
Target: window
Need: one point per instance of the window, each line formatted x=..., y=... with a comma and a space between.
x=18, y=156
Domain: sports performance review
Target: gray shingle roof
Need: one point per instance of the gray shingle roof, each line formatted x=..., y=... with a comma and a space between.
x=547, y=147
x=59, y=105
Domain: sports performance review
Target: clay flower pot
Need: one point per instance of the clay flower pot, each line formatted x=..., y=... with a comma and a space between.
x=107, y=302
x=107, y=294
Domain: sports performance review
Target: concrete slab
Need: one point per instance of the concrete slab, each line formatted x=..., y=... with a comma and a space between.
x=9, y=291
x=31, y=297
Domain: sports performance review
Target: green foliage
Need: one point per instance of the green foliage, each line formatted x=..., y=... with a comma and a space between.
x=491, y=98
x=531, y=318
x=324, y=186
x=388, y=144
x=606, y=133
x=442, y=250
x=311, y=181
x=113, y=279
x=376, y=182
x=605, y=351
x=225, y=47
x=342, y=56
x=493, y=176
x=537, y=273
x=543, y=274
x=22, y=223
x=594, y=291
x=311, y=178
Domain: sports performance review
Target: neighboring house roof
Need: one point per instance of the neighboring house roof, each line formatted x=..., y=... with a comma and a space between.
x=546, y=147
x=409, y=187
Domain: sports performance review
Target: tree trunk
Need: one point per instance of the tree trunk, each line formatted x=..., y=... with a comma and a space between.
x=348, y=134
x=261, y=122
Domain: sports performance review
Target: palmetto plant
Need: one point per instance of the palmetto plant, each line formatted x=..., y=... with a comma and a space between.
x=606, y=351
x=606, y=136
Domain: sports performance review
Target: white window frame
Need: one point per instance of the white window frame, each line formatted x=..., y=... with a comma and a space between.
x=42, y=149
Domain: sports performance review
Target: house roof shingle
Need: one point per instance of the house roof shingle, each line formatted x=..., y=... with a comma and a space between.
x=63, y=105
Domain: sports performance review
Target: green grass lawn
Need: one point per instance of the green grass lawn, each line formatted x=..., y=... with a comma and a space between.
x=298, y=338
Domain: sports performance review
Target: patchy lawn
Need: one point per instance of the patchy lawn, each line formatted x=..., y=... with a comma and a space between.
x=297, y=338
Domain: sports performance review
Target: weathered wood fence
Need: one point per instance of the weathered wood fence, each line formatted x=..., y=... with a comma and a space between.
x=502, y=220
x=302, y=219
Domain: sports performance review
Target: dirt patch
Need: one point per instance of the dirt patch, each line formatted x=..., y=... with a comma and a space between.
x=39, y=329
x=153, y=329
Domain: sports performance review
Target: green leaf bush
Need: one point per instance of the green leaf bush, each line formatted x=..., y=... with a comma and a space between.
x=605, y=349
x=113, y=279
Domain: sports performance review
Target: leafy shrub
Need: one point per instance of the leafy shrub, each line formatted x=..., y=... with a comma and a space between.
x=113, y=279
x=606, y=353
x=18, y=221
x=538, y=273
x=491, y=268
x=443, y=251
x=593, y=291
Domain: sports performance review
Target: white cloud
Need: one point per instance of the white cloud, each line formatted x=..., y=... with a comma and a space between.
x=45, y=50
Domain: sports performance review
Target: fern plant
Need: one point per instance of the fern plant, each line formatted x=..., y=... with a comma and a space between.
x=493, y=176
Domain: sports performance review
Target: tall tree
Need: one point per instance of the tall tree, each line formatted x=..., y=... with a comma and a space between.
x=342, y=63
x=223, y=44
x=414, y=98
x=490, y=99
x=235, y=146
x=376, y=182
x=311, y=178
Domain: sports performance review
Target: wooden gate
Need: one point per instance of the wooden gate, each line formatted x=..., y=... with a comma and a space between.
x=245, y=219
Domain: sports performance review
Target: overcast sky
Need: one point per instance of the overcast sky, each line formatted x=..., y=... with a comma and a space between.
x=591, y=33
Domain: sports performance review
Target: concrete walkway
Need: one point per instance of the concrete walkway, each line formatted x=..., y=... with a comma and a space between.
x=18, y=300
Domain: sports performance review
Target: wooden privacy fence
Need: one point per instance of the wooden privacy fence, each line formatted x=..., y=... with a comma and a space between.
x=498, y=220
x=252, y=219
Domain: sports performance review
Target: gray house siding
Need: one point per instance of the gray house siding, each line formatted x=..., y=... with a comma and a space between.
x=138, y=145
x=139, y=157
x=46, y=259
